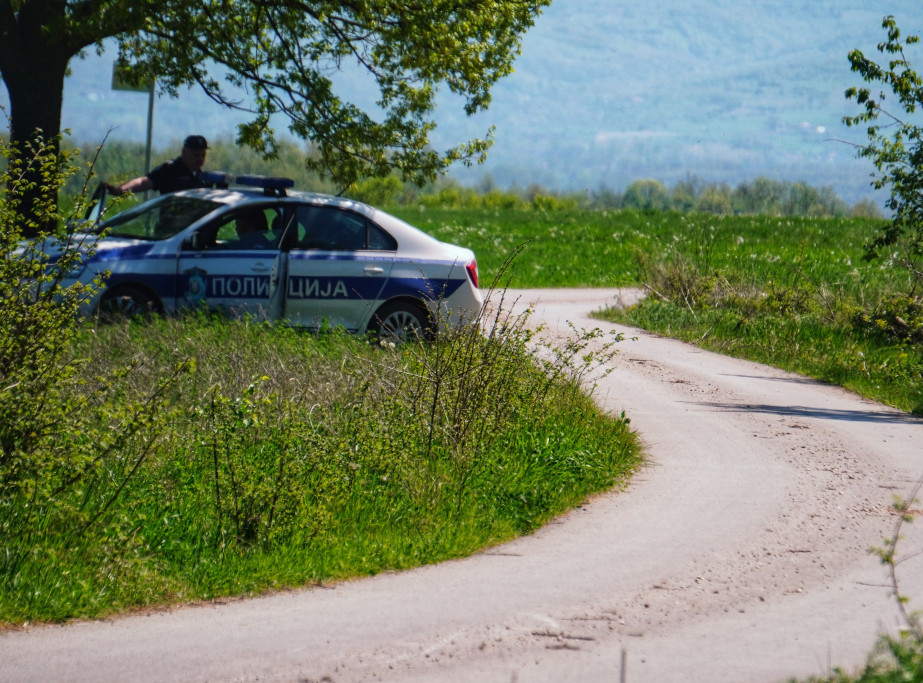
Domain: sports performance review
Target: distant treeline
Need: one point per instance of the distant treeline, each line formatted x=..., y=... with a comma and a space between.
x=118, y=161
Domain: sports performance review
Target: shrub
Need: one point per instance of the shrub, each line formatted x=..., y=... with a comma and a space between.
x=67, y=446
x=899, y=318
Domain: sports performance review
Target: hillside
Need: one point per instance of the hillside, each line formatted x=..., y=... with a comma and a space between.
x=725, y=90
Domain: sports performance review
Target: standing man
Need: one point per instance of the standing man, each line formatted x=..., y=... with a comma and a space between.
x=182, y=173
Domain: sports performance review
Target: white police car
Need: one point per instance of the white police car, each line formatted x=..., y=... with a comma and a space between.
x=308, y=259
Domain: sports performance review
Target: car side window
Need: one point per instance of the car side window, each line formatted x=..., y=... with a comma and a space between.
x=380, y=240
x=246, y=229
x=160, y=219
x=329, y=228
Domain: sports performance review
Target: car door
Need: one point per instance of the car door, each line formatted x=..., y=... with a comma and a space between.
x=338, y=266
x=234, y=264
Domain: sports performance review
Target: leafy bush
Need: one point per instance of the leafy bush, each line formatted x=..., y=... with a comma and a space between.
x=546, y=202
x=68, y=443
x=377, y=191
x=898, y=318
x=895, y=146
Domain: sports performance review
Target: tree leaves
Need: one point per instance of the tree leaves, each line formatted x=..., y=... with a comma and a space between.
x=895, y=144
x=288, y=54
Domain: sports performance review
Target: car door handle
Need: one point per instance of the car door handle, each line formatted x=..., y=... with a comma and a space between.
x=259, y=268
x=374, y=270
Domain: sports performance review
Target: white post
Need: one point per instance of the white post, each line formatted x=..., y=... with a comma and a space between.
x=119, y=83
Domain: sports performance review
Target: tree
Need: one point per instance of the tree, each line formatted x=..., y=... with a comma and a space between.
x=646, y=195
x=761, y=197
x=285, y=53
x=715, y=199
x=895, y=144
x=686, y=193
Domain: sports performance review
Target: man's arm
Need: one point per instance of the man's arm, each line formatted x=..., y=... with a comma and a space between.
x=139, y=184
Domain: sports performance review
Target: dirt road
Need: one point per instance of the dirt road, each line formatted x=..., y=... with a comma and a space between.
x=741, y=553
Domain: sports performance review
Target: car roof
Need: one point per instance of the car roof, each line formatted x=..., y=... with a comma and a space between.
x=234, y=196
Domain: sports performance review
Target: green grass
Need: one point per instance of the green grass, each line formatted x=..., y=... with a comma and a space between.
x=562, y=248
x=793, y=293
x=273, y=458
x=868, y=364
x=605, y=248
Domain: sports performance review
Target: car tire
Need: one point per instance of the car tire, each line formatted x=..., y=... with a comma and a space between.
x=128, y=303
x=401, y=321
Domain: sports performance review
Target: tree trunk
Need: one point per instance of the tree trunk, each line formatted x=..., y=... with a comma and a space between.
x=36, y=96
x=33, y=70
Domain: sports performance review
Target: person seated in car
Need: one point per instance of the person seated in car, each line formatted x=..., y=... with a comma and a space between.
x=252, y=231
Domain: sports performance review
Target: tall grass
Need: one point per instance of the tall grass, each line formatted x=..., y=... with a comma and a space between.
x=794, y=293
x=274, y=458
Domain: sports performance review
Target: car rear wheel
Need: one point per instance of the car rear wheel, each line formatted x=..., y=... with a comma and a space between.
x=128, y=303
x=401, y=321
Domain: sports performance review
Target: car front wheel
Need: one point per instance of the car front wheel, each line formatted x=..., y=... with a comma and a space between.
x=401, y=321
x=126, y=303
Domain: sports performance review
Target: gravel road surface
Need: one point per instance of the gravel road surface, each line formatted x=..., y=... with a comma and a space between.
x=739, y=553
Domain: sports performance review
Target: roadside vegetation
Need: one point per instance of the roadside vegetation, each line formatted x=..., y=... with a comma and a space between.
x=187, y=458
x=793, y=293
x=197, y=457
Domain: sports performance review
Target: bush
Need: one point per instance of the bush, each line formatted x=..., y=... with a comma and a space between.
x=899, y=318
x=377, y=191
x=67, y=446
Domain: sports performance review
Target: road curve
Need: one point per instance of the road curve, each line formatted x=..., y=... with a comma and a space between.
x=740, y=553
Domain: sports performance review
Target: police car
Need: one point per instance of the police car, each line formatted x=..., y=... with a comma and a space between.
x=260, y=250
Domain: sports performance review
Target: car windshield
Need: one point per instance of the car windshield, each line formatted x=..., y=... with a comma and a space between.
x=159, y=218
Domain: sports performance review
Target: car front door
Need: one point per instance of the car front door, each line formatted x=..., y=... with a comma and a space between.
x=338, y=266
x=234, y=264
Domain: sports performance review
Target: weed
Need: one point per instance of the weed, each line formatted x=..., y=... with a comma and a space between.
x=895, y=658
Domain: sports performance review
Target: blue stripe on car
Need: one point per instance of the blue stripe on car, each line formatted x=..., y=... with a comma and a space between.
x=240, y=286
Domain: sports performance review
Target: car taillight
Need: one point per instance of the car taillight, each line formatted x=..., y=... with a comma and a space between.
x=472, y=269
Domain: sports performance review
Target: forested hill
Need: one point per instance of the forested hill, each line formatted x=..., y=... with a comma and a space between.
x=610, y=91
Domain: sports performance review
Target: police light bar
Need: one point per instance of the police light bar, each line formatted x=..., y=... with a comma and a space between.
x=268, y=183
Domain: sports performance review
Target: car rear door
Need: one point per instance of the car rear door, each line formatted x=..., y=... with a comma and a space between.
x=338, y=266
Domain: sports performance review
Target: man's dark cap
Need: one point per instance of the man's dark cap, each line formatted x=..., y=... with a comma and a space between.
x=195, y=142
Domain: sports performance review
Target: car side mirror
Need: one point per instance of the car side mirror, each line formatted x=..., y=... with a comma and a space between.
x=193, y=242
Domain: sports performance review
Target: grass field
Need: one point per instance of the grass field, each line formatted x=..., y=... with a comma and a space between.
x=205, y=457
x=791, y=292
x=608, y=248
x=190, y=458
